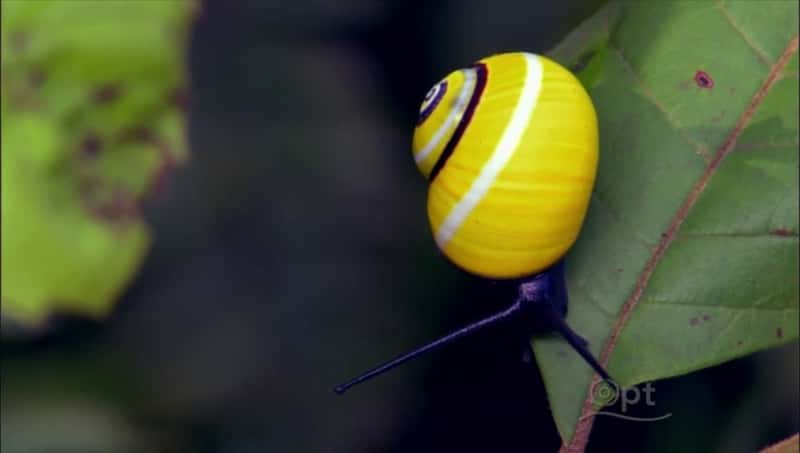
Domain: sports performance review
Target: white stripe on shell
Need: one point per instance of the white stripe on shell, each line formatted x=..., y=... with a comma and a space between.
x=508, y=143
x=470, y=76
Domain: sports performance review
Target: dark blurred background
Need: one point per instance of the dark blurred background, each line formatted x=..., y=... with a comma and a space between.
x=293, y=252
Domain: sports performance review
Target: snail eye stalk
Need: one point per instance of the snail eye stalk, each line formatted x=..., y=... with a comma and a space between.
x=449, y=338
x=539, y=296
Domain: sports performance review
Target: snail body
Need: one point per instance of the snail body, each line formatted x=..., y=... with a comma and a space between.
x=509, y=147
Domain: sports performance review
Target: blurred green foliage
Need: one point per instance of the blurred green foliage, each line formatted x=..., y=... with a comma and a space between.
x=92, y=123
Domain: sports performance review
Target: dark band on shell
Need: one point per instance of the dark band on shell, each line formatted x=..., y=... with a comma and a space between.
x=480, y=84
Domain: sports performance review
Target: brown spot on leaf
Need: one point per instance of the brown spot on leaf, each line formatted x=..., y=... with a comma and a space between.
x=168, y=164
x=694, y=321
x=732, y=90
x=18, y=41
x=89, y=186
x=137, y=134
x=703, y=80
x=619, y=269
x=91, y=145
x=782, y=232
x=181, y=99
x=779, y=332
x=196, y=10
x=739, y=343
x=121, y=208
x=36, y=78
x=161, y=178
x=106, y=94
x=706, y=318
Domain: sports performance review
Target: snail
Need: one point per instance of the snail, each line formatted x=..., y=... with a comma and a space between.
x=509, y=148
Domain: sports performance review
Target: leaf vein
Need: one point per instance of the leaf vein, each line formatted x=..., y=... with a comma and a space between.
x=722, y=307
x=764, y=235
x=762, y=56
x=615, y=215
x=648, y=95
x=728, y=327
x=592, y=300
x=766, y=146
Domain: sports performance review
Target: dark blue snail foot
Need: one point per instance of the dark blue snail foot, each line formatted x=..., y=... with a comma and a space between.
x=543, y=305
x=543, y=296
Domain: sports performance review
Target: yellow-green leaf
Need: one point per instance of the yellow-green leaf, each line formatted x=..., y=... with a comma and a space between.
x=91, y=124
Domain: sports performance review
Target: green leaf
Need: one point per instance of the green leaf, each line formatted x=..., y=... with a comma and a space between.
x=689, y=253
x=91, y=124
